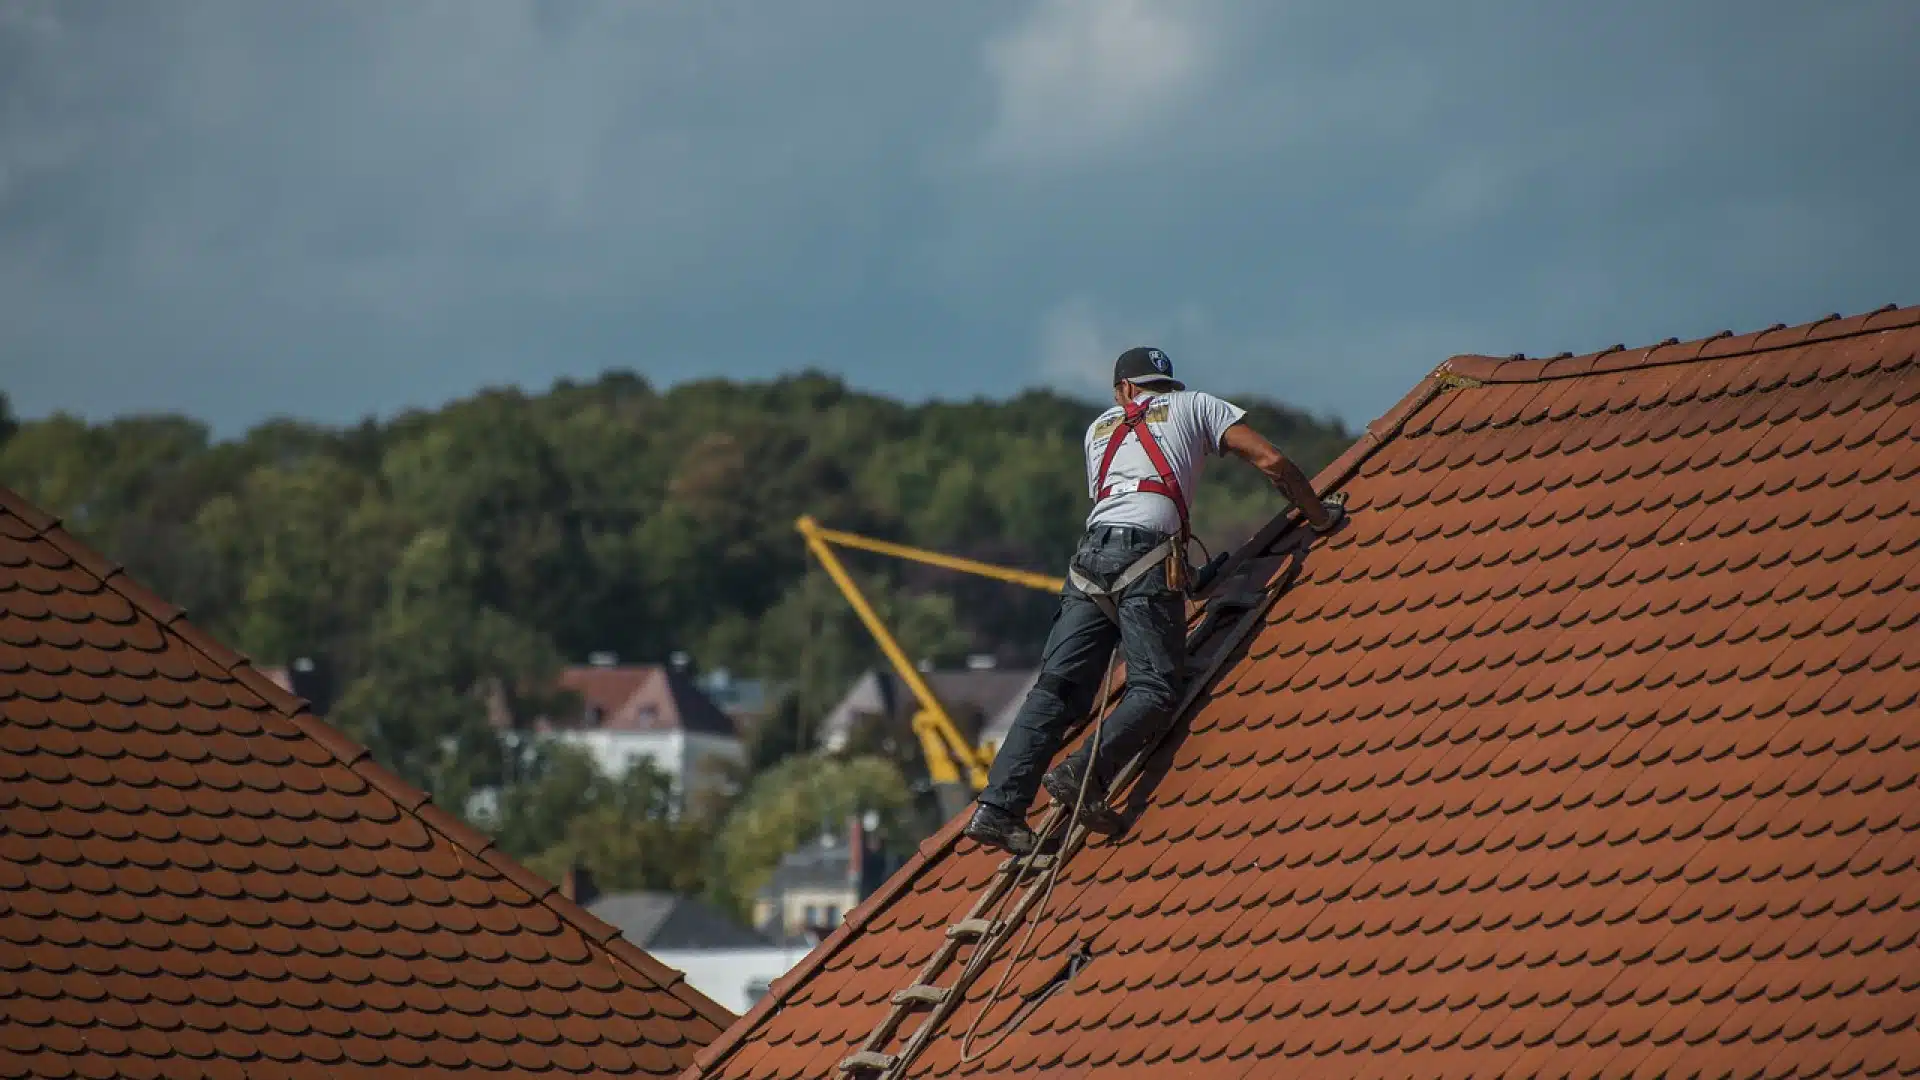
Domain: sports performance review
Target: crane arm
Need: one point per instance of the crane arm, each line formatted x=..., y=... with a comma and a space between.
x=812, y=530
x=933, y=725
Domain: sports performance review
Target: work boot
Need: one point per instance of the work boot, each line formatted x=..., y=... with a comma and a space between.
x=1063, y=783
x=993, y=827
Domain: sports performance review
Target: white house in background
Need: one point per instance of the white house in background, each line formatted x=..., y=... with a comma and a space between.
x=655, y=712
x=807, y=897
x=736, y=978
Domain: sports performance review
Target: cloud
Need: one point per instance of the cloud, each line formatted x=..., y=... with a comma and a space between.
x=359, y=208
x=1072, y=348
x=1078, y=341
x=239, y=209
x=1077, y=78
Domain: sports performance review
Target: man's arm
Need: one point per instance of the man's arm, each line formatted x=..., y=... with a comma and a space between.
x=1252, y=447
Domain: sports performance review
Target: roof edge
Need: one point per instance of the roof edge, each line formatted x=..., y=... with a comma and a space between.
x=1721, y=346
x=357, y=758
x=1329, y=479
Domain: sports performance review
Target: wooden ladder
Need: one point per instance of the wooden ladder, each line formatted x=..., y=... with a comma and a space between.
x=980, y=927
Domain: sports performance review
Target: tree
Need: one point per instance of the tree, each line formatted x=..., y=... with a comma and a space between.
x=487, y=475
x=563, y=811
x=794, y=802
x=447, y=562
x=553, y=785
x=439, y=667
x=813, y=639
x=306, y=548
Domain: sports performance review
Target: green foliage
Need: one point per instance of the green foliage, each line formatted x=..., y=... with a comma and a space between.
x=556, y=784
x=812, y=638
x=564, y=811
x=653, y=854
x=447, y=563
x=796, y=801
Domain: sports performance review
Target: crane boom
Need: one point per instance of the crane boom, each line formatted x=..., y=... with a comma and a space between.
x=932, y=558
x=951, y=760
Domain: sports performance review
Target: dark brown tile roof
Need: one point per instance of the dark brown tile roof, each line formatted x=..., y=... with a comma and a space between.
x=1588, y=746
x=199, y=878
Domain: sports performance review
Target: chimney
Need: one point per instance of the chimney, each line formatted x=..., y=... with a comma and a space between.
x=867, y=867
x=311, y=677
x=577, y=885
x=856, y=852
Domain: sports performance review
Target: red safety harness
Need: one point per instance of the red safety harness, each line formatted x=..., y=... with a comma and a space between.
x=1135, y=420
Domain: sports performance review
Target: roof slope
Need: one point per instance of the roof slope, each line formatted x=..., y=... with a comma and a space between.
x=1588, y=744
x=199, y=878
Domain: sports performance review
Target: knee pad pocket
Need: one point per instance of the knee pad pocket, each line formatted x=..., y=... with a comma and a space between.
x=1052, y=686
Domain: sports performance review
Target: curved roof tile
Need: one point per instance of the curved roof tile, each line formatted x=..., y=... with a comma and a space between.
x=197, y=877
x=1587, y=745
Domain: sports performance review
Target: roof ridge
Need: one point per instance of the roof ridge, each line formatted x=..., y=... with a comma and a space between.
x=357, y=758
x=1721, y=346
x=1337, y=473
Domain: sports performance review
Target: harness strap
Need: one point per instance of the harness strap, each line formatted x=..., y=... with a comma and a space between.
x=1103, y=596
x=1134, y=419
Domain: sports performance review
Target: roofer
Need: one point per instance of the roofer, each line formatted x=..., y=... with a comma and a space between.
x=1127, y=582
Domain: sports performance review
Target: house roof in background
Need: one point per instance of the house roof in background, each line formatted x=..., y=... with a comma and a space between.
x=1585, y=746
x=974, y=696
x=1001, y=720
x=199, y=877
x=821, y=864
x=606, y=687
x=662, y=920
x=625, y=692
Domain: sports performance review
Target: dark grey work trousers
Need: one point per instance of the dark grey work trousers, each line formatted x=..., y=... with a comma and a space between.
x=1152, y=635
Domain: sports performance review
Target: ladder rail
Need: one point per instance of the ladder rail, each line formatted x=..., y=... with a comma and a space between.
x=1009, y=876
x=1005, y=879
x=971, y=972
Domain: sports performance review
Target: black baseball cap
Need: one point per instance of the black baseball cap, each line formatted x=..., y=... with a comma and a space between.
x=1145, y=365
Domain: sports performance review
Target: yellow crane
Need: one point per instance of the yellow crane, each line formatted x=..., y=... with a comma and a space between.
x=951, y=759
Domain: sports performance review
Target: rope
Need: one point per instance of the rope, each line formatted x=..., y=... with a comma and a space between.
x=984, y=954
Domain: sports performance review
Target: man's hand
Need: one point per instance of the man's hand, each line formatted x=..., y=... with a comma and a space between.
x=1334, y=507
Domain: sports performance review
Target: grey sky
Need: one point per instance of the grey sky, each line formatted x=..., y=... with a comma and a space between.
x=245, y=209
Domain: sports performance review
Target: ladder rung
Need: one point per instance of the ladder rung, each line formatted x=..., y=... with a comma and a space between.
x=970, y=928
x=1028, y=862
x=921, y=994
x=868, y=1061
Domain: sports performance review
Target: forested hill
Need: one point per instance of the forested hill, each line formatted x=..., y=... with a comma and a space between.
x=507, y=533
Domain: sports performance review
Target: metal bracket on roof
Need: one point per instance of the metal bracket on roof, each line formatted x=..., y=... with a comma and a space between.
x=1450, y=381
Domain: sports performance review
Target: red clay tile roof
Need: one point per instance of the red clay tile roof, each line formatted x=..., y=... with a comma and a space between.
x=606, y=688
x=1588, y=745
x=199, y=878
x=646, y=697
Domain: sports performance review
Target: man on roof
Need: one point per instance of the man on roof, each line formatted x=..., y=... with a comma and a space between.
x=1127, y=583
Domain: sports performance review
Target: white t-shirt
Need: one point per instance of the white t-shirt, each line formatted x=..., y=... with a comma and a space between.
x=1188, y=425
